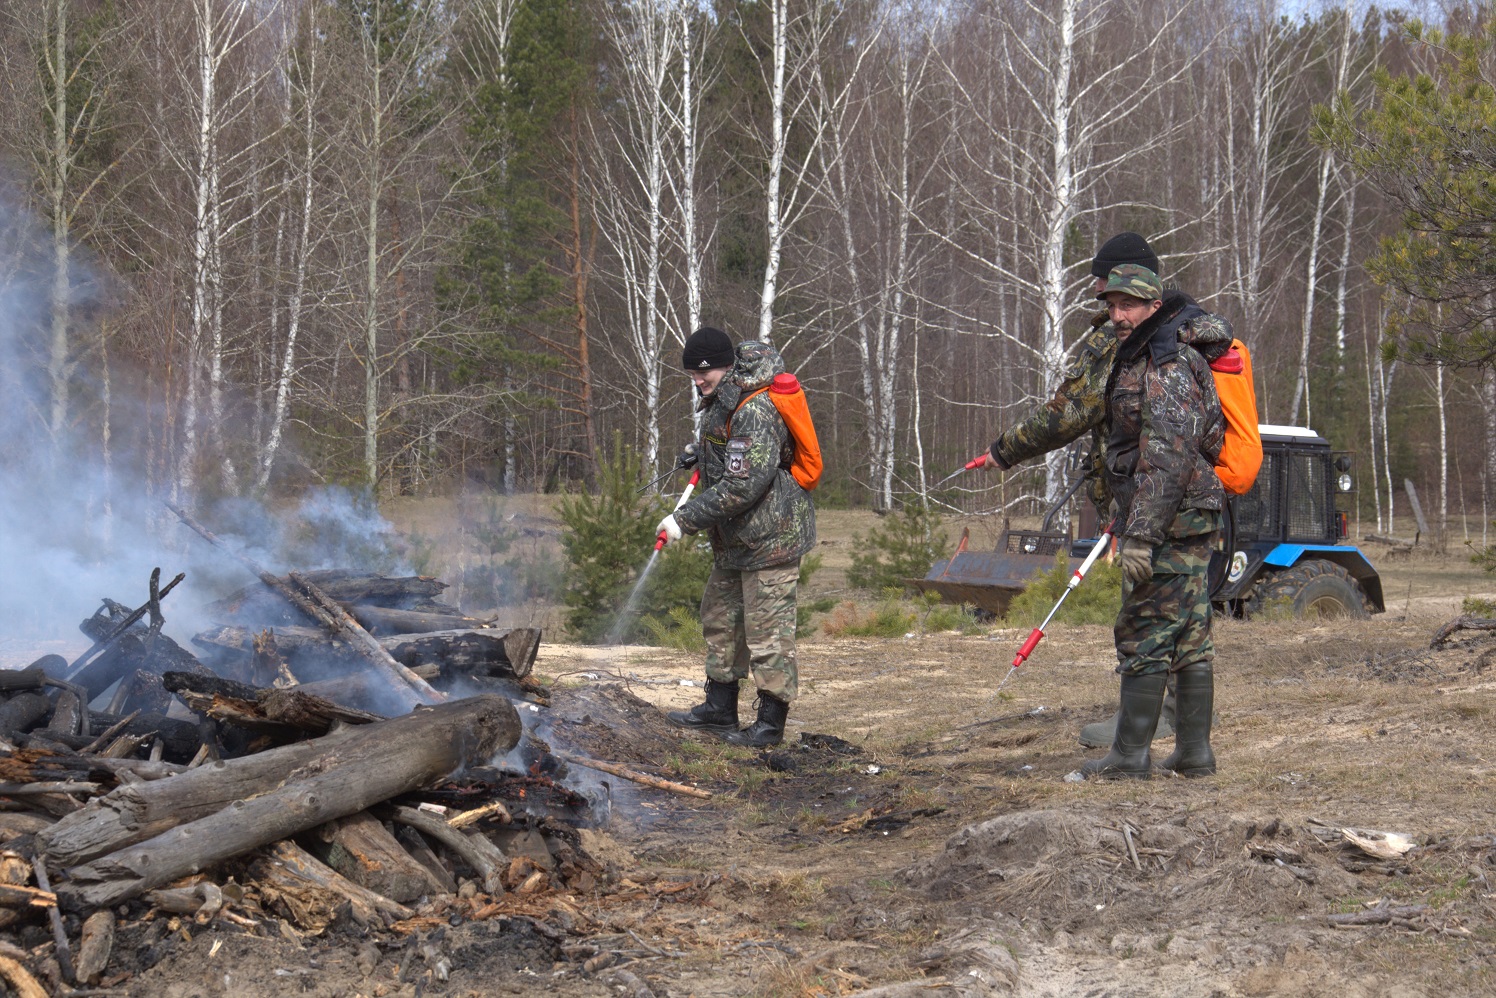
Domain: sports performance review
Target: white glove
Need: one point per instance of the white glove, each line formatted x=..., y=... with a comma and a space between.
x=1137, y=561
x=669, y=528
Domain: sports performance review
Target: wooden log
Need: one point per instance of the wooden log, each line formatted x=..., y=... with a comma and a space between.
x=407, y=592
x=138, y=812
x=19, y=896
x=227, y=808
x=146, y=694
x=492, y=652
x=67, y=713
x=291, y=874
x=181, y=738
x=98, y=766
x=131, y=653
x=286, y=713
x=202, y=900
x=417, y=847
x=255, y=606
x=383, y=621
x=364, y=642
x=1465, y=622
x=22, y=712
x=30, y=678
x=486, y=859
x=63, y=951
x=15, y=824
x=363, y=850
x=96, y=945
x=123, y=621
x=1379, y=916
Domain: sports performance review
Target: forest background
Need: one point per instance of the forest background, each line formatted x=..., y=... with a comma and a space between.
x=414, y=246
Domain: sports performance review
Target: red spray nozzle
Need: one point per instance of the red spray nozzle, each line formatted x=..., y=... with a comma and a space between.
x=976, y=462
x=660, y=541
x=1028, y=647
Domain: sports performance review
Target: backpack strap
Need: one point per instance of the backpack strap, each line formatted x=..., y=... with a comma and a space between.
x=743, y=402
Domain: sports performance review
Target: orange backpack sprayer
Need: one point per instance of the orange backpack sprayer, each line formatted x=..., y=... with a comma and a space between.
x=789, y=398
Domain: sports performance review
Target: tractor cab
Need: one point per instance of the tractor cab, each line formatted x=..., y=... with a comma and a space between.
x=1284, y=540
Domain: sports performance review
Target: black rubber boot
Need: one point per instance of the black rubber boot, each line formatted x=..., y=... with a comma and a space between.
x=1192, y=755
x=719, y=713
x=1142, y=699
x=768, y=729
x=1102, y=733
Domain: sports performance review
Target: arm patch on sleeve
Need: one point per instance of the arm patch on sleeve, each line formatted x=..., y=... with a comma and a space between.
x=737, y=456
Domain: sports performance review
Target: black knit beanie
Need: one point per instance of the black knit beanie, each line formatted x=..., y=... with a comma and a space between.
x=1125, y=247
x=707, y=348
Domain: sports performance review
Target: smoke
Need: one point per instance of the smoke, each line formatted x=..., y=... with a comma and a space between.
x=81, y=515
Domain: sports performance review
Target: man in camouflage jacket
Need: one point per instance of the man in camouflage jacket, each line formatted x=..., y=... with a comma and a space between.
x=760, y=522
x=1079, y=405
x=1163, y=431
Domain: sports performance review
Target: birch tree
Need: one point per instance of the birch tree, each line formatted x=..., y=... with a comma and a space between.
x=634, y=205
x=878, y=168
x=397, y=47
x=302, y=58
x=1081, y=100
x=1324, y=190
x=797, y=32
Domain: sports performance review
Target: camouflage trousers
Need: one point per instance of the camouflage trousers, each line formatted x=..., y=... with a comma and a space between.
x=748, y=620
x=1165, y=620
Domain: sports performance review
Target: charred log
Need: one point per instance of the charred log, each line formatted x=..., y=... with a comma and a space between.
x=253, y=605
x=223, y=809
x=180, y=739
x=22, y=712
x=363, y=850
x=290, y=713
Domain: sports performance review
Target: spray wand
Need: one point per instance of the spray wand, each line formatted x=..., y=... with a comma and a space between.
x=1029, y=645
x=685, y=497
x=976, y=462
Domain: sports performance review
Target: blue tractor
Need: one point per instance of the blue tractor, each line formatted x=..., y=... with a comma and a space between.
x=1284, y=542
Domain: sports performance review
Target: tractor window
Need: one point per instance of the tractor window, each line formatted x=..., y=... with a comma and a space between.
x=1257, y=512
x=1308, y=494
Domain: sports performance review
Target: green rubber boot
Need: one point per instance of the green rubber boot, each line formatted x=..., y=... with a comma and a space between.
x=1192, y=755
x=1142, y=700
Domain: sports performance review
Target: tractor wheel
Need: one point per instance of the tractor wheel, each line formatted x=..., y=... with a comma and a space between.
x=1312, y=588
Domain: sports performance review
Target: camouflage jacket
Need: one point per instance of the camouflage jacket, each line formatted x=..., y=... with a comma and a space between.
x=1079, y=401
x=1163, y=432
x=755, y=512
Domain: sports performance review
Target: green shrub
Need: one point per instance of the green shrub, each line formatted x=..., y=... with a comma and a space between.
x=903, y=548
x=1476, y=607
x=939, y=615
x=679, y=629
x=1484, y=558
x=608, y=538
x=1097, y=599
x=890, y=617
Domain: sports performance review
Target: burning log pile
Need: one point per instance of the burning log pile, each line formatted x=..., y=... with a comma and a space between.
x=341, y=748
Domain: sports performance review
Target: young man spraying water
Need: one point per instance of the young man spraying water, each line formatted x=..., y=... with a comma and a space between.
x=760, y=522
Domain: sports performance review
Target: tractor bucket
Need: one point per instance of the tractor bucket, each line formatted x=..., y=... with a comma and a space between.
x=988, y=580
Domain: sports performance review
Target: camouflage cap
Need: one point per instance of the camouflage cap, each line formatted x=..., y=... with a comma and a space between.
x=1134, y=280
